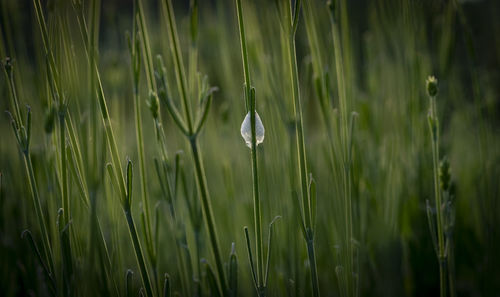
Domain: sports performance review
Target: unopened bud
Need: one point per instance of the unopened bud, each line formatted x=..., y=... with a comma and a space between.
x=8, y=65
x=432, y=86
x=153, y=104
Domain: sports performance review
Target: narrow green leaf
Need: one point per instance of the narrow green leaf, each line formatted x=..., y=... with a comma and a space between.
x=432, y=226
x=270, y=234
x=211, y=281
x=114, y=180
x=233, y=272
x=128, y=283
x=166, y=286
x=129, y=182
x=250, y=258
x=34, y=247
x=312, y=200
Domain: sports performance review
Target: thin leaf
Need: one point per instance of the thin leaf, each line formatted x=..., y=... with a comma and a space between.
x=128, y=283
x=166, y=286
x=269, y=249
x=233, y=272
x=312, y=200
x=250, y=258
x=129, y=182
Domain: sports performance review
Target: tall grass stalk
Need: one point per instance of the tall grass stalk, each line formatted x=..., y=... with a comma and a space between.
x=260, y=280
x=187, y=126
x=135, y=52
x=346, y=130
x=434, y=130
x=22, y=133
x=115, y=170
x=308, y=207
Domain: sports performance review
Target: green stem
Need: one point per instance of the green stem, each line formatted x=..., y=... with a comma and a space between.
x=179, y=65
x=146, y=47
x=312, y=262
x=345, y=149
x=38, y=209
x=250, y=98
x=299, y=131
x=138, y=252
x=142, y=173
x=437, y=192
x=207, y=210
x=200, y=171
x=294, y=78
x=64, y=168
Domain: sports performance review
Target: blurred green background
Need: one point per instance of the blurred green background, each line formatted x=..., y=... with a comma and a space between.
x=392, y=47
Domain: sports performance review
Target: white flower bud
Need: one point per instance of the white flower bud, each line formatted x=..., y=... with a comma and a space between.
x=246, y=130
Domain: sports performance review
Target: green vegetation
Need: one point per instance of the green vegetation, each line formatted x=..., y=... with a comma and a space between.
x=123, y=171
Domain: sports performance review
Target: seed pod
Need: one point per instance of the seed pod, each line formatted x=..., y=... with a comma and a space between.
x=246, y=130
x=432, y=86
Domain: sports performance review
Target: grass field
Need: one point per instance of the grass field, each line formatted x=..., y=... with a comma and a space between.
x=250, y=148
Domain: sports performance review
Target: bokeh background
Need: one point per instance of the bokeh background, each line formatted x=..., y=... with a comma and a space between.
x=392, y=47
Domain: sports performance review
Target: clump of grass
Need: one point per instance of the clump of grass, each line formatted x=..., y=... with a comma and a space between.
x=122, y=187
x=22, y=133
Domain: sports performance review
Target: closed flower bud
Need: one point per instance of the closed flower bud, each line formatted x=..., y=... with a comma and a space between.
x=153, y=104
x=432, y=86
x=8, y=65
x=246, y=130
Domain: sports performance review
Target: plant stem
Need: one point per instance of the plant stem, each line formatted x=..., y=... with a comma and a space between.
x=294, y=78
x=434, y=127
x=200, y=171
x=142, y=174
x=207, y=210
x=179, y=65
x=345, y=149
x=38, y=209
x=64, y=168
x=250, y=98
x=314, y=272
x=138, y=252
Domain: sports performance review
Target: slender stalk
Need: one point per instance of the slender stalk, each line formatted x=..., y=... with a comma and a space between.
x=207, y=210
x=23, y=142
x=138, y=252
x=142, y=173
x=250, y=99
x=345, y=149
x=179, y=65
x=314, y=272
x=135, y=62
x=434, y=127
x=64, y=167
x=38, y=209
x=116, y=168
x=137, y=108
x=299, y=129
x=192, y=136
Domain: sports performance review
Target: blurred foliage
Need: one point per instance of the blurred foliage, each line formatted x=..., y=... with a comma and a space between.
x=394, y=45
